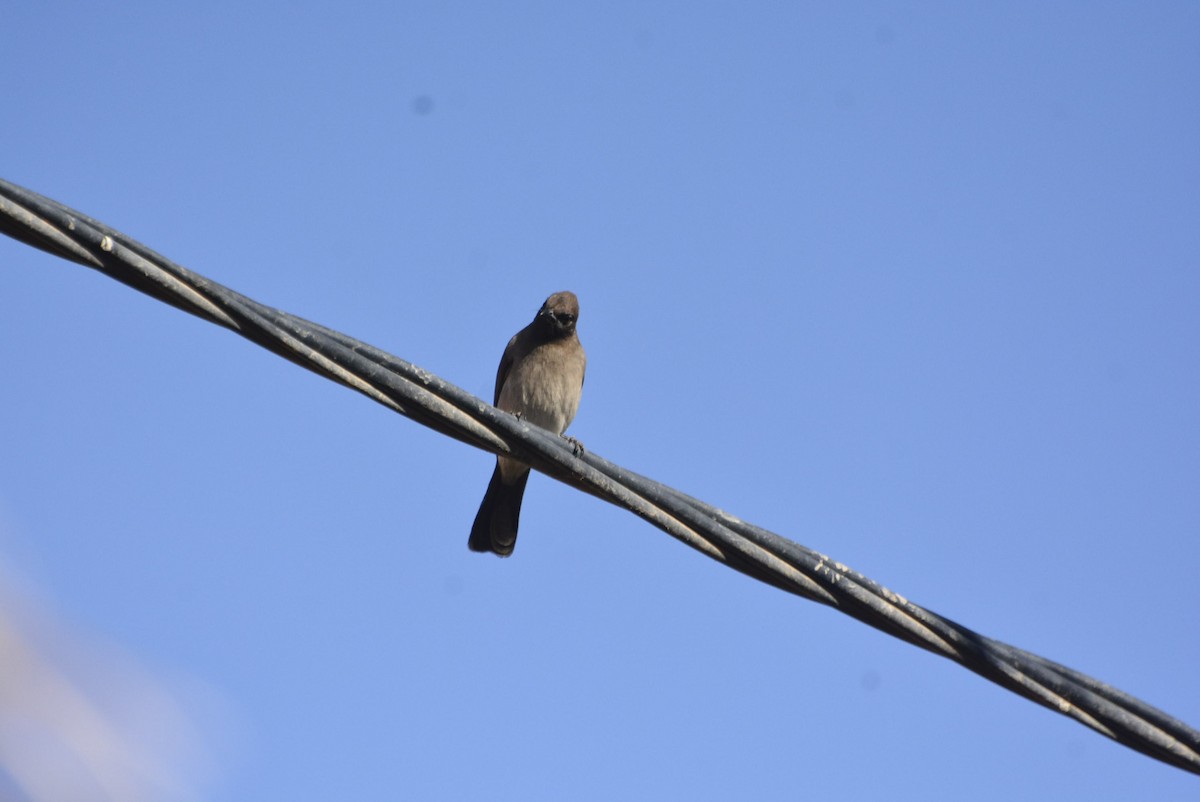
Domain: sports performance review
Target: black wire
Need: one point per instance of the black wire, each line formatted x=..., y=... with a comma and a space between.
x=756, y=552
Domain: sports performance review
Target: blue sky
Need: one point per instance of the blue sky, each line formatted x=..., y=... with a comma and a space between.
x=914, y=285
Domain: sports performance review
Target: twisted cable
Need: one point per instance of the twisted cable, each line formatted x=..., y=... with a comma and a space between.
x=756, y=552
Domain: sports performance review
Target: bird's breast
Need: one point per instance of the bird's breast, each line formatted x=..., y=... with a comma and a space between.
x=544, y=387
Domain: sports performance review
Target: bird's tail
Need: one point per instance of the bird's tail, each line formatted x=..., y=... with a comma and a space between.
x=495, y=527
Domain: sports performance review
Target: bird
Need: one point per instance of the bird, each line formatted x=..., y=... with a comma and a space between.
x=540, y=380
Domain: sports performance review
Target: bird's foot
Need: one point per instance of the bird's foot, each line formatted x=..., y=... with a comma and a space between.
x=576, y=446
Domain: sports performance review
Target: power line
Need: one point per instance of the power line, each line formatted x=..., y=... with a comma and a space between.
x=756, y=552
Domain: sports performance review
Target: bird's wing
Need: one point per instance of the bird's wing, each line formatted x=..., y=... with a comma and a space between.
x=506, y=363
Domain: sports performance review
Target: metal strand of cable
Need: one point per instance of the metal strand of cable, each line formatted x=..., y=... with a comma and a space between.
x=763, y=555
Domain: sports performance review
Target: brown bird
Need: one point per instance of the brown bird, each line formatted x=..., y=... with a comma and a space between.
x=540, y=380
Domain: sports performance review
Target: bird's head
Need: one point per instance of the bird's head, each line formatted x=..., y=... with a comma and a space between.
x=559, y=314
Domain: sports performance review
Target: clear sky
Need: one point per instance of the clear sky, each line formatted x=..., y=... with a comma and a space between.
x=916, y=285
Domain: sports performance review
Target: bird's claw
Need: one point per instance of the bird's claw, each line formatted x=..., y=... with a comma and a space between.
x=576, y=446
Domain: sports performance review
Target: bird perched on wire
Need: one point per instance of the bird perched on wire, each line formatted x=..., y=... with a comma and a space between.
x=540, y=380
